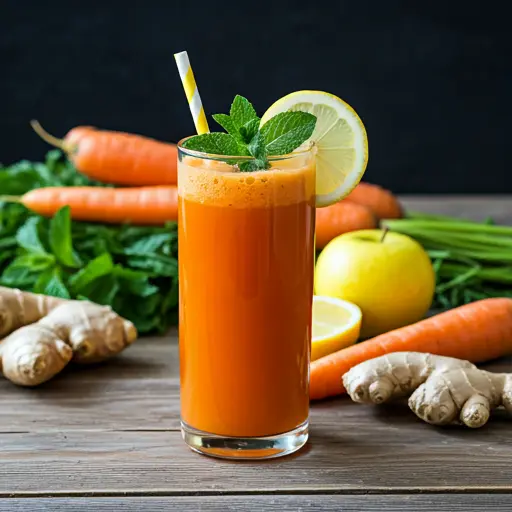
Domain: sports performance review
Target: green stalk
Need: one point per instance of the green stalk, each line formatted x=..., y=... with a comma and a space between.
x=459, y=248
x=472, y=227
x=457, y=280
x=494, y=274
x=475, y=241
x=484, y=239
x=414, y=215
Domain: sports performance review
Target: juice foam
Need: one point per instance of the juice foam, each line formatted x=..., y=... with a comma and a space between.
x=217, y=183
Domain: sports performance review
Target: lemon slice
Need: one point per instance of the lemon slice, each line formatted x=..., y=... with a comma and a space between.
x=336, y=325
x=340, y=141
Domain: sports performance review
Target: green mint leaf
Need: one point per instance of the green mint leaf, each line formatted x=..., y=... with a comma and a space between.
x=249, y=130
x=42, y=280
x=8, y=243
x=135, y=282
x=23, y=272
x=258, y=150
x=18, y=277
x=60, y=238
x=33, y=262
x=242, y=112
x=55, y=287
x=214, y=143
x=96, y=268
x=150, y=243
x=156, y=264
x=28, y=236
x=227, y=123
x=285, y=132
x=102, y=290
x=257, y=147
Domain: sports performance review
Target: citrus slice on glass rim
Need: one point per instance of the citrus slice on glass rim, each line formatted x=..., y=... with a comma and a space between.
x=336, y=325
x=339, y=140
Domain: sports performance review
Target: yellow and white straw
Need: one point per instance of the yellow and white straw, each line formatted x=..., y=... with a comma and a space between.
x=194, y=100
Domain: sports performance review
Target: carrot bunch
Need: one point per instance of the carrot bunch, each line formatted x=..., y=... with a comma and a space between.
x=147, y=166
x=361, y=209
x=150, y=167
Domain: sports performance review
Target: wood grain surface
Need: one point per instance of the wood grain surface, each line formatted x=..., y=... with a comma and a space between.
x=309, y=503
x=107, y=437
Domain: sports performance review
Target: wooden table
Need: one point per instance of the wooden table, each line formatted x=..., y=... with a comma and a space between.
x=108, y=436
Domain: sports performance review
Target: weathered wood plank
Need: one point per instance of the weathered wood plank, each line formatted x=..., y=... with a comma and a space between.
x=137, y=390
x=352, y=448
x=343, y=503
x=471, y=207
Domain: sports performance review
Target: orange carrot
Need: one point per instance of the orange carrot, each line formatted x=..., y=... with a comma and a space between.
x=339, y=218
x=74, y=135
x=381, y=201
x=142, y=206
x=478, y=332
x=117, y=157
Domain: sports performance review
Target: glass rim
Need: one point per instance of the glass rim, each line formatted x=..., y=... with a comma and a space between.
x=238, y=158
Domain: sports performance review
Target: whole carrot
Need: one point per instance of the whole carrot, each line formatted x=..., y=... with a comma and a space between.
x=74, y=135
x=141, y=206
x=381, y=201
x=339, y=218
x=477, y=332
x=117, y=157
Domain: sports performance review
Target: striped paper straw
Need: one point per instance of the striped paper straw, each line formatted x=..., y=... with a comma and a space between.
x=193, y=98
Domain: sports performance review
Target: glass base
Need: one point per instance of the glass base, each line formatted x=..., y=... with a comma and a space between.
x=267, y=447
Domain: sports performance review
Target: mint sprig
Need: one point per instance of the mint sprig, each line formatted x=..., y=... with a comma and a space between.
x=281, y=135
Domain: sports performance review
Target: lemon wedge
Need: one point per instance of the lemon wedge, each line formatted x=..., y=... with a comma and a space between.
x=336, y=325
x=339, y=139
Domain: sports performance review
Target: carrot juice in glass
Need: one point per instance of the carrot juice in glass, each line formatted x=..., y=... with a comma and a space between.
x=246, y=261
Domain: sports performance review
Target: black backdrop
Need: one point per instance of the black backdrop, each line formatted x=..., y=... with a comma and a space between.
x=431, y=80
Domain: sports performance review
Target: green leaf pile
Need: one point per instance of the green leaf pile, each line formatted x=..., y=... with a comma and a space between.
x=133, y=269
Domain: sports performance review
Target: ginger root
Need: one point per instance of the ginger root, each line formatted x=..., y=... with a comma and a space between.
x=441, y=390
x=19, y=308
x=59, y=331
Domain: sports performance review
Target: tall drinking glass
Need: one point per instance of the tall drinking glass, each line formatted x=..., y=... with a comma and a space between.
x=246, y=257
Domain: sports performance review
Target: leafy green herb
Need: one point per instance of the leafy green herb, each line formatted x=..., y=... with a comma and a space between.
x=82, y=260
x=249, y=130
x=28, y=236
x=281, y=135
x=60, y=238
x=227, y=123
x=287, y=131
x=101, y=266
x=241, y=111
x=56, y=287
x=214, y=143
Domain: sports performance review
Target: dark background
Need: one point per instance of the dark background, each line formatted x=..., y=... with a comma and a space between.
x=431, y=80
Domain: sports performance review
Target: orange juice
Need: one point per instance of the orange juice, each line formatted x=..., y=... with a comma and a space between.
x=246, y=257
